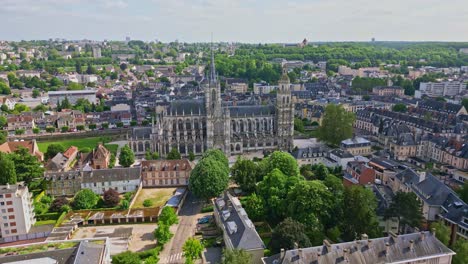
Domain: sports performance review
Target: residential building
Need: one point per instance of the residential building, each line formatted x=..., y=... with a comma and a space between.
x=238, y=230
x=165, y=173
x=63, y=161
x=388, y=91
x=17, y=212
x=357, y=146
x=422, y=247
x=120, y=179
x=338, y=157
x=100, y=157
x=30, y=145
x=448, y=88
x=310, y=155
x=25, y=122
x=358, y=173
x=383, y=168
x=264, y=88
x=85, y=251
x=63, y=183
x=236, y=85
x=58, y=96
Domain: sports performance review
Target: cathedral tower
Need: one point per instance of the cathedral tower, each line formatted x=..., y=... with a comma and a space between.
x=284, y=113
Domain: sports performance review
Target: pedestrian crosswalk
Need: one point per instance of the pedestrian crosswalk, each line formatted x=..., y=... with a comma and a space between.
x=174, y=258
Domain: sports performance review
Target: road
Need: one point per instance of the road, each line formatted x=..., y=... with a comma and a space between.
x=188, y=216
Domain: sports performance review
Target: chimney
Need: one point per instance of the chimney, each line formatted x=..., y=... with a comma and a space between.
x=8, y=186
x=423, y=236
x=422, y=176
x=328, y=245
x=282, y=253
x=411, y=245
x=395, y=236
x=346, y=254
x=364, y=237
x=299, y=252
x=369, y=243
x=387, y=248
x=296, y=245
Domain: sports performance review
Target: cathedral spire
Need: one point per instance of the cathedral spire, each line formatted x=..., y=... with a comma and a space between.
x=212, y=67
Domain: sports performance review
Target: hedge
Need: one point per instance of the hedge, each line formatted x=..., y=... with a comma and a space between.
x=47, y=216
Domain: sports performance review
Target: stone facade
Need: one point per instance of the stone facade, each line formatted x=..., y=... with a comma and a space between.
x=199, y=124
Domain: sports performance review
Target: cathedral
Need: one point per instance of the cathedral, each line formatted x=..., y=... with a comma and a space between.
x=197, y=125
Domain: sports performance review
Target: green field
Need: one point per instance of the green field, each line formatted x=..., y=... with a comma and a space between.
x=80, y=143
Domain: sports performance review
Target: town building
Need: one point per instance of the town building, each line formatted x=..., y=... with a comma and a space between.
x=70, y=182
x=30, y=145
x=165, y=173
x=58, y=96
x=357, y=146
x=20, y=122
x=358, y=173
x=388, y=91
x=310, y=155
x=421, y=247
x=17, y=212
x=440, y=89
x=196, y=125
x=100, y=157
x=89, y=251
x=238, y=230
x=63, y=161
x=236, y=85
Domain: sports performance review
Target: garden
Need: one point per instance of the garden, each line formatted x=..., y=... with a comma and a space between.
x=147, y=198
x=81, y=143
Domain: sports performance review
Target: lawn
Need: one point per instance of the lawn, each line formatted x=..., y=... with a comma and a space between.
x=80, y=143
x=159, y=197
x=45, y=222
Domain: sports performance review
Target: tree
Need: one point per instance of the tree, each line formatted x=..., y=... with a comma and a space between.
x=50, y=129
x=244, y=173
x=255, y=207
x=8, y=171
x=168, y=216
x=58, y=203
x=65, y=104
x=19, y=131
x=53, y=149
x=287, y=234
x=3, y=121
x=191, y=156
x=126, y=257
x=236, y=256
x=123, y=66
x=173, y=154
x=4, y=89
x=111, y=198
x=442, y=232
x=217, y=155
x=192, y=249
x=162, y=233
x=321, y=172
x=359, y=218
x=298, y=125
x=209, y=178
x=127, y=157
x=463, y=192
x=407, y=208
x=85, y=199
x=92, y=126
x=465, y=103
x=337, y=124
x=90, y=69
x=399, y=108
x=27, y=166
x=283, y=161
x=147, y=203
x=461, y=248
x=75, y=86
x=78, y=68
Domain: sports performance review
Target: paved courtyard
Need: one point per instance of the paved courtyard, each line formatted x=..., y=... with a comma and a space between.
x=122, y=237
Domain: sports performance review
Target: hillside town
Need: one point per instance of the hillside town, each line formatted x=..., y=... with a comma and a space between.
x=150, y=152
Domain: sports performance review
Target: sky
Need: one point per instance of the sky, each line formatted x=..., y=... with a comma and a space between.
x=261, y=21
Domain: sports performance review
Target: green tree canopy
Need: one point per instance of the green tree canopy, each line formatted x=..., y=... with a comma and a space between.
x=127, y=157
x=85, y=199
x=236, y=256
x=407, y=208
x=8, y=171
x=399, y=108
x=192, y=249
x=255, y=207
x=209, y=178
x=126, y=257
x=173, y=154
x=244, y=172
x=359, y=218
x=217, y=155
x=287, y=234
x=168, y=216
x=27, y=166
x=284, y=162
x=162, y=233
x=337, y=124
x=53, y=149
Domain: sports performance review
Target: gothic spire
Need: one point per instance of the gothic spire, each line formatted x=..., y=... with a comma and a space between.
x=212, y=67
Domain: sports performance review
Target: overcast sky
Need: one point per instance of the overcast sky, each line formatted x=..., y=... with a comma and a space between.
x=236, y=20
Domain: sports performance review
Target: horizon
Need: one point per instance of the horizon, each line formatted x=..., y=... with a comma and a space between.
x=243, y=21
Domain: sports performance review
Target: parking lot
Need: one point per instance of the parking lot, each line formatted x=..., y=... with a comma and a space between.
x=122, y=237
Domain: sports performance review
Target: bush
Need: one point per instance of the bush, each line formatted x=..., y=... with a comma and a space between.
x=85, y=199
x=147, y=203
x=111, y=198
x=58, y=203
x=207, y=209
x=47, y=216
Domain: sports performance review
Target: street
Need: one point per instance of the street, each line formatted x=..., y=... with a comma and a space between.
x=188, y=216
